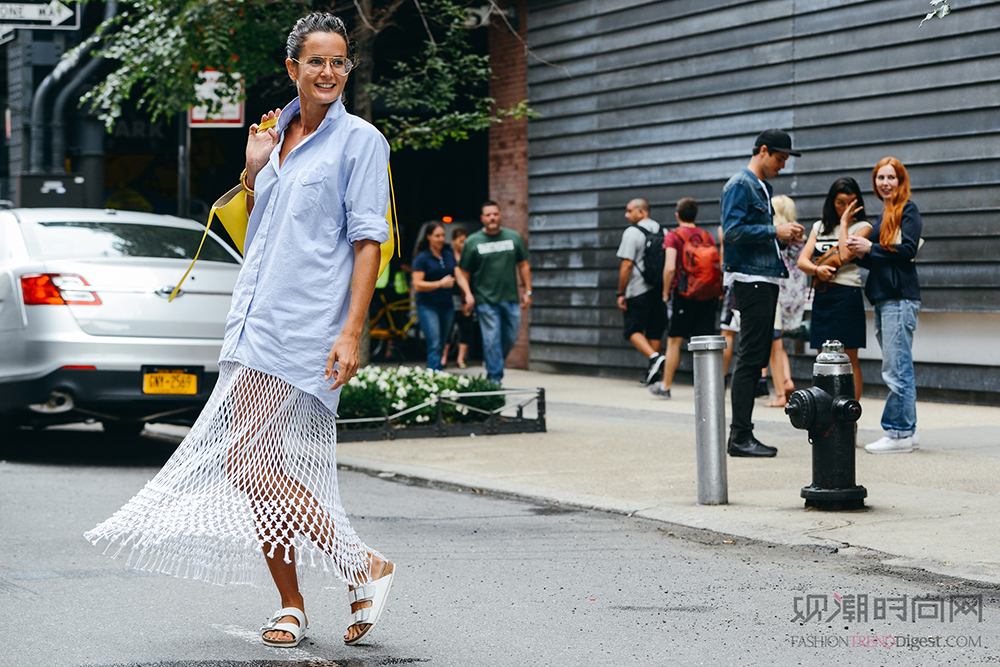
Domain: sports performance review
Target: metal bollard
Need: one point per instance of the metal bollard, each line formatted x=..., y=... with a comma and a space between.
x=710, y=419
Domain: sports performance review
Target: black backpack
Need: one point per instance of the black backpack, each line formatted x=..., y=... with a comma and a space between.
x=653, y=257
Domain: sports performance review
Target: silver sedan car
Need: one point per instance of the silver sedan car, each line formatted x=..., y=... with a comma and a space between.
x=86, y=330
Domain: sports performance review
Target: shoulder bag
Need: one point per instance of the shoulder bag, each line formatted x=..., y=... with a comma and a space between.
x=231, y=210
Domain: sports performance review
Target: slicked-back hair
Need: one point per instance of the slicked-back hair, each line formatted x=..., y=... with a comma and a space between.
x=317, y=22
x=687, y=209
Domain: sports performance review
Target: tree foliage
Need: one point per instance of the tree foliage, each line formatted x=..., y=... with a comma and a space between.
x=161, y=46
x=434, y=95
x=437, y=95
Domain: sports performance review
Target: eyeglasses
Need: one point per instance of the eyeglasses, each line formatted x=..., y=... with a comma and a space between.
x=316, y=64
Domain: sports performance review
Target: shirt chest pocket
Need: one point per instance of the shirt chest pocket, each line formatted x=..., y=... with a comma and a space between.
x=761, y=212
x=309, y=197
x=309, y=184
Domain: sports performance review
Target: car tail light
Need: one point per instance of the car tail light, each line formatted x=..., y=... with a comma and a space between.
x=57, y=289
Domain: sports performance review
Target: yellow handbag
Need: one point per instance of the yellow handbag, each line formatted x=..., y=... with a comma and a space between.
x=231, y=210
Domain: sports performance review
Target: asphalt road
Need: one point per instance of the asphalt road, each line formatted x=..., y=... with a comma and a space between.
x=482, y=580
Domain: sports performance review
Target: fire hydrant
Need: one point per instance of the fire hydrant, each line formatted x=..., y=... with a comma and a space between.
x=830, y=414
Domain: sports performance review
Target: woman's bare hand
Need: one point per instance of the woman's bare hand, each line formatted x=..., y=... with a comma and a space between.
x=346, y=354
x=852, y=210
x=825, y=272
x=447, y=282
x=259, y=146
x=859, y=245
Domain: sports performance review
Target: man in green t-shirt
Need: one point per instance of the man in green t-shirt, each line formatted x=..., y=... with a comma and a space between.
x=492, y=259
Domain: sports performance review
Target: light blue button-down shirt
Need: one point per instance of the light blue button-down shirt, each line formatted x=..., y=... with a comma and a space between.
x=292, y=296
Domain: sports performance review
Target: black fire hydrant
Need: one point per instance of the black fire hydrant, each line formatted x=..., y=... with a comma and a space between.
x=830, y=413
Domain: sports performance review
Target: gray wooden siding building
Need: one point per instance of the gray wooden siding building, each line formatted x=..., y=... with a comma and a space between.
x=663, y=100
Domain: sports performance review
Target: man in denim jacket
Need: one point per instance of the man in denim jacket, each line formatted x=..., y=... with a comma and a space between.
x=753, y=267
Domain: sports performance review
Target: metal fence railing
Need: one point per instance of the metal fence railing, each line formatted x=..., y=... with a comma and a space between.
x=508, y=418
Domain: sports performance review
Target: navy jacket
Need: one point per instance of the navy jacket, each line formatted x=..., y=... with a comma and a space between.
x=893, y=275
x=748, y=229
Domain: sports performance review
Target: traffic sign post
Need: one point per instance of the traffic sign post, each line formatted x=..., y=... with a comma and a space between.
x=231, y=111
x=52, y=15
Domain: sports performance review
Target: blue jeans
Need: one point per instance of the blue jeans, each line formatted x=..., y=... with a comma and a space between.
x=500, y=325
x=435, y=322
x=895, y=322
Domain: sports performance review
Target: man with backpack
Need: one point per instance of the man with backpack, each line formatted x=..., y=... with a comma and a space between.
x=692, y=283
x=639, y=280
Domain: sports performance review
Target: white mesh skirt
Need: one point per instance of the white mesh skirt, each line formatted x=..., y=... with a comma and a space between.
x=257, y=472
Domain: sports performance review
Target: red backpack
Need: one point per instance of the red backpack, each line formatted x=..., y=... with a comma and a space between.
x=701, y=273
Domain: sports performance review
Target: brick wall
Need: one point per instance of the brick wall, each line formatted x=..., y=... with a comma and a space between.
x=508, y=141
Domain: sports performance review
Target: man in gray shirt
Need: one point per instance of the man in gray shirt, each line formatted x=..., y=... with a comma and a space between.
x=643, y=309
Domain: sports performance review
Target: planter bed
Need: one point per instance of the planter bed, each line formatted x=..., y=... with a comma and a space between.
x=493, y=422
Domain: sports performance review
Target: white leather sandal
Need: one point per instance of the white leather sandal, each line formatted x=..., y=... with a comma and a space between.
x=298, y=632
x=377, y=592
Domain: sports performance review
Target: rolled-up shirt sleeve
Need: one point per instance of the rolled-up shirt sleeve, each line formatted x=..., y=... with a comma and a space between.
x=366, y=195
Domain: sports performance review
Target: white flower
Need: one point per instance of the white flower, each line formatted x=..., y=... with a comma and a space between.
x=401, y=392
x=399, y=405
x=464, y=381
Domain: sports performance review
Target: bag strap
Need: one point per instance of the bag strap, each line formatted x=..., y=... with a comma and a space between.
x=394, y=226
x=688, y=237
x=204, y=236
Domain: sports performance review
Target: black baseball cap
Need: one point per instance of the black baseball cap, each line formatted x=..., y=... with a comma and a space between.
x=776, y=141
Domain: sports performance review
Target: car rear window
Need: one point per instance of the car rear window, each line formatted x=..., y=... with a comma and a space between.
x=85, y=240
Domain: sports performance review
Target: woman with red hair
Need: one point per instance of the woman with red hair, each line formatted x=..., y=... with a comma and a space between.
x=894, y=291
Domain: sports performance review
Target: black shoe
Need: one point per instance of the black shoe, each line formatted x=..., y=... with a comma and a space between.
x=750, y=447
x=762, y=389
x=655, y=365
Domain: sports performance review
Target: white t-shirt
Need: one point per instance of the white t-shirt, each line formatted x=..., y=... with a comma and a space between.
x=848, y=274
x=631, y=247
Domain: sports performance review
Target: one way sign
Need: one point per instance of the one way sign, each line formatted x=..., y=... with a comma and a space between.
x=52, y=15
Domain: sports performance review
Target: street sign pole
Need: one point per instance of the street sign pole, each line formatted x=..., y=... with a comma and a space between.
x=183, y=166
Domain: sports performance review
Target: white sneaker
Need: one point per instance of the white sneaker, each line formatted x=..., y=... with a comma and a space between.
x=887, y=445
x=916, y=440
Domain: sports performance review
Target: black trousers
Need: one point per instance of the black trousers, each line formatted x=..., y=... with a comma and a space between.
x=756, y=303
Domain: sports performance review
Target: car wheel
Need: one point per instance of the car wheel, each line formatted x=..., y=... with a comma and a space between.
x=123, y=428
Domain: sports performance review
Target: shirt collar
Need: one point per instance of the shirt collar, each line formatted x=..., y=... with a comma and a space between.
x=335, y=111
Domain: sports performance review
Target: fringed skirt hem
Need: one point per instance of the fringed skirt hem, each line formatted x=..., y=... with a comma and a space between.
x=256, y=476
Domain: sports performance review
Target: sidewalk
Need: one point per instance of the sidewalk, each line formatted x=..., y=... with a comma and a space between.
x=611, y=445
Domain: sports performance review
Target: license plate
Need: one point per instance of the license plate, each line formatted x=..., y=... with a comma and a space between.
x=169, y=382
